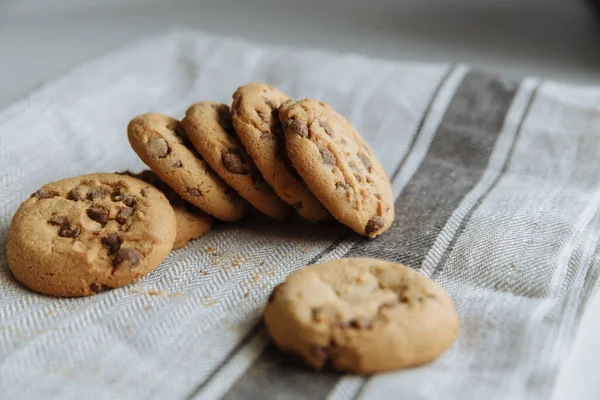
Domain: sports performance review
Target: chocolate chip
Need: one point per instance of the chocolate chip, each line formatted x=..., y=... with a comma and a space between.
x=159, y=147
x=132, y=256
x=374, y=224
x=99, y=288
x=325, y=125
x=356, y=323
x=193, y=192
x=98, y=214
x=124, y=213
x=44, y=194
x=126, y=198
x=98, y=192
x=113, y=242
x=76, y=195
x=360, y=323
x=235, y=161
x=68, y=231
x=297, y=206
x=177, y=164
x=328, y=156
x=365, y=160
x=298, y=128
x=57, y=221
x=261, y=184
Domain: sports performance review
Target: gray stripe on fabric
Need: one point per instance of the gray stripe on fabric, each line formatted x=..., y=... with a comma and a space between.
x=529, y=95
x=456, y=135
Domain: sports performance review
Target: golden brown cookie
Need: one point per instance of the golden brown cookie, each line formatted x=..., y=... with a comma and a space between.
x=191, y=221
x=361, y=315
x=209, y=128
x=161, y=143
x=255, y=119
x=338, y=166
x=82, y=235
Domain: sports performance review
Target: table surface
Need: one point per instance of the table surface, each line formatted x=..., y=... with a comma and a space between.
x=42, y=39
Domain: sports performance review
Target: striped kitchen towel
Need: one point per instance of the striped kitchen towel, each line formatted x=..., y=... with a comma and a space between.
x=498, y=197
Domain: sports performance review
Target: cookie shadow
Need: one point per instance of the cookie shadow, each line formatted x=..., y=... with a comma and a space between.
x=294, y=228
x=276, y=374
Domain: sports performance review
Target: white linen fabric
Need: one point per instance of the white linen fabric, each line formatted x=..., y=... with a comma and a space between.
x=498, y=197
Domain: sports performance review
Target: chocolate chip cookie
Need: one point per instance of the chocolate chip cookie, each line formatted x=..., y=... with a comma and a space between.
x=83, y=235
x=209, y=128
x=361, y=315
x=162, y=144
x=338, y=166
x=191, y=222
x=255, y=119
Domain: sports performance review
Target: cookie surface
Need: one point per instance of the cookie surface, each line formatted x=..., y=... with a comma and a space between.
x=361, y=315
x=338, y=166
x=209, y=128
x=255, y=119
x=83, y=235
x=161, y=143
x=191, y=222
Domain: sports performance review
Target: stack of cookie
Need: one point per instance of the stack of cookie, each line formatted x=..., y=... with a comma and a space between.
x=269, y=152
x=83, y=235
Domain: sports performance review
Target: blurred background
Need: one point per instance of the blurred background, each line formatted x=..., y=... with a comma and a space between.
x=558, y=39
x=555, y=39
